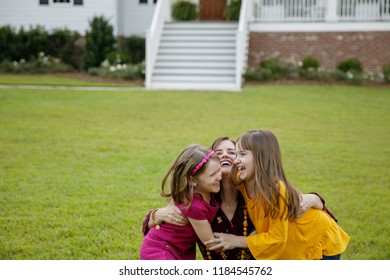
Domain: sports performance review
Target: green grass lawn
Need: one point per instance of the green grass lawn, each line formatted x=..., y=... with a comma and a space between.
x=79, y=169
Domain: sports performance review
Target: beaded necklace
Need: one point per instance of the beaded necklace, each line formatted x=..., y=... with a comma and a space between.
x=245, y=233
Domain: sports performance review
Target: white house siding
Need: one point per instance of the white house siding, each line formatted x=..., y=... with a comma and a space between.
x=134, y=18
x=26, y=13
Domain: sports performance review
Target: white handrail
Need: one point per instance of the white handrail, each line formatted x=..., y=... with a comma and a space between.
x=242, y=40
x=161, y=14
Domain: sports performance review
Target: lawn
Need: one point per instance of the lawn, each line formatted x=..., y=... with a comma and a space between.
x=79, y=169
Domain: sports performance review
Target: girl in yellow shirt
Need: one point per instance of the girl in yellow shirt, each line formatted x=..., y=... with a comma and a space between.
x=273, y=206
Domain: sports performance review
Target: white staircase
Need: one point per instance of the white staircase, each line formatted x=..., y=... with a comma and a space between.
x=196, y=56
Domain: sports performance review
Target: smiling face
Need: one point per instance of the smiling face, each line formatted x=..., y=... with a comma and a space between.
x=208, y=181
x=245, y=163
x=227, y=154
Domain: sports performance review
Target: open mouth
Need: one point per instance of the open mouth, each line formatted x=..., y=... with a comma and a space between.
x=225, y=163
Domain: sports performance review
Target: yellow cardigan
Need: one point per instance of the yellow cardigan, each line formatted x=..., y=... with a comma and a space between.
x=314, y=235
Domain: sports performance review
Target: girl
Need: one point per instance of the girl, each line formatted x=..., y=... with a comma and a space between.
x=194, y=177
x=273, y=206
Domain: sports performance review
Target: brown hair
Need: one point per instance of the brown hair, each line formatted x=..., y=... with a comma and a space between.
x=219, y=140
x=180, y=172
x=268, y=174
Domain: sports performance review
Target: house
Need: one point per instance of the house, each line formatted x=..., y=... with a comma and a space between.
x=212, y=53
x=128, y=17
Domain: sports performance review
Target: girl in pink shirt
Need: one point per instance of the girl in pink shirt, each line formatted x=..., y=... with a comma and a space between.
x=194, y=177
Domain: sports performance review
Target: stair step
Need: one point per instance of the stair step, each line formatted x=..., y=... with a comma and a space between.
x=192, y=78
x=197, y=51
x=206, y=32
x=197, y=44
x=197, y=38
x=201, y=25
x=195, y=71
x=194, y=64
x=190, y=58
x=225, y=86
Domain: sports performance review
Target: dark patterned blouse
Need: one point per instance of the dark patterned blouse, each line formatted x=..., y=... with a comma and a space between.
x=236, y=226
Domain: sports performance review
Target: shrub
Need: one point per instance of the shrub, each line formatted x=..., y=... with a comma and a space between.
x=350, y=65
x=184, y=11
x=7, y=37
x=310, y=62
x=133, y=47
x=386, y=72
x=309, y=68
x=63, y=44
x=118, y=70
x=40, y=64
x=232, y=11
x=275, y=67
x=99, y=41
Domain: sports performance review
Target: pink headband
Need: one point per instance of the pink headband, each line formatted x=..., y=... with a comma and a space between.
x=200, y=164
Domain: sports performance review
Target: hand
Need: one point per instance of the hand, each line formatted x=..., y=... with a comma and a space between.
x=170, y=214
x=223, y=241
x=308, y=201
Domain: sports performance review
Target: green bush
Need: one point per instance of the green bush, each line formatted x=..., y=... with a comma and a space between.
x=386, y=72
x=63, y=44
x=350, y=65
x=118, y=70
x=133, y=47
x=232, y=11
x=310, y=62
x=184, y=11
x=42, y=63
x=60, y=43
x=275, y=66
x=99, y=41
x=309, y=68
x=7, y=36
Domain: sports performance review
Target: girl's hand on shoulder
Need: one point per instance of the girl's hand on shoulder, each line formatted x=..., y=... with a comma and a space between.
x=308, y=201
x=172, y=215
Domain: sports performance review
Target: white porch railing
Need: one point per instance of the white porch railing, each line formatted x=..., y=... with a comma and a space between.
x=242, y=40
x=162, y=14
x=320, y=10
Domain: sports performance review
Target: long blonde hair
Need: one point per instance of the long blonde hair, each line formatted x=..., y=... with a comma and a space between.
x=179, y=173
x=269, y=173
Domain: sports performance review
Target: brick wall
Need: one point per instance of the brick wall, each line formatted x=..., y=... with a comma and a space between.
x=371, y=48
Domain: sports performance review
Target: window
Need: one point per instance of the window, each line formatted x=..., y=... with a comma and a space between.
x=43, y=2
x=78, y=2
x=154, y=1
x=143, y=1
x=61, y=1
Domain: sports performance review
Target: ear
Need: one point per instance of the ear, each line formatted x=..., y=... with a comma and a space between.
x=193, y=181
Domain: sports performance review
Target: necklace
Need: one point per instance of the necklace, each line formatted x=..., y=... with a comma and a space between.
x=244, y=233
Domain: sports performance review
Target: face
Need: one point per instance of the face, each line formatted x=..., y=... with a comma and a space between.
x=208, y=181
x=227, y=154
x=245, y=163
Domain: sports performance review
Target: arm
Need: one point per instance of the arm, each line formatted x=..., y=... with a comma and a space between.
x=169, y=214
x=308, y=201
x=223, y=241
x=203, y=230
x=314, y=200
